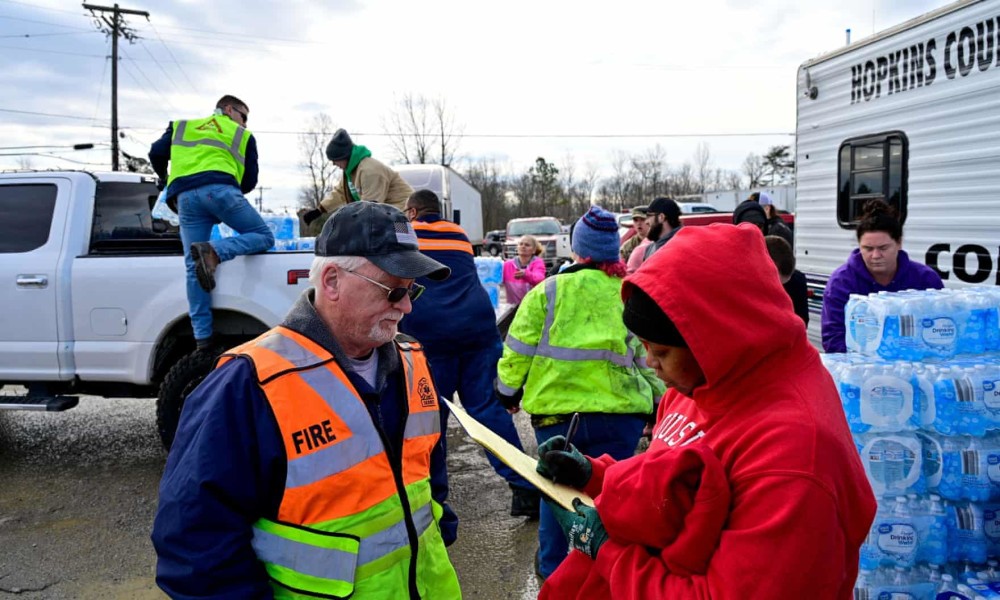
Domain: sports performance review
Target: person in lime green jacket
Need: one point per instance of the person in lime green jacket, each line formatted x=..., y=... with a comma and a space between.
x=567, y=351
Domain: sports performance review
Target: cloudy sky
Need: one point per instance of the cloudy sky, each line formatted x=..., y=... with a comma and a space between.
x=572, y=81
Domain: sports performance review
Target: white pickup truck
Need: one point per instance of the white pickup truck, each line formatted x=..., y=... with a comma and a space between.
x=94, y=300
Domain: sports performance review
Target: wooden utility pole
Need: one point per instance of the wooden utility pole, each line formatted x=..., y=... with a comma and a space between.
x=260, y=198
x=114, y=27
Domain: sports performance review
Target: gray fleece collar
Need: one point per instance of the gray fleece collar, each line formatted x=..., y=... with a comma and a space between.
x=304, y=319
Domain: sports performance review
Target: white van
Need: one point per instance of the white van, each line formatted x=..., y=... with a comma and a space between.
x=912, y=116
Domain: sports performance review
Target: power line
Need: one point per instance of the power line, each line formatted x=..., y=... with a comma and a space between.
x=170, y=52
x=242, y=36
x=100, y=90
x=68, y=12
x=167, y=75
x=36, y=21
x=561, y=135
x=35, y=35
x=71, y=146
x=148, y=80
x=43, y=114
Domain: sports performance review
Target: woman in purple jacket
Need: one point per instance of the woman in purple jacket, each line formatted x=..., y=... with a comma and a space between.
x=879, y=264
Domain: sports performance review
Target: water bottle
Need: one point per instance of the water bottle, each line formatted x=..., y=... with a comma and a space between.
x=307, y=243
x=887, y=399
x=948, y=590
x=966, y=536
x=988, y=378
x=863, y=588
x=933, y=533
x=162, y=211
x=991, y=529
x=938, y=329
x=893, y=462
x=973, y=335
x=923, y=388
x=858, y=327
x=852, y=377
x=931, y=464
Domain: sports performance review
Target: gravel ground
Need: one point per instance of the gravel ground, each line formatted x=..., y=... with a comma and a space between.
x=78, y=493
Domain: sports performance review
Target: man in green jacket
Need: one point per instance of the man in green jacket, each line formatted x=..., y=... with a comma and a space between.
x=568, y=351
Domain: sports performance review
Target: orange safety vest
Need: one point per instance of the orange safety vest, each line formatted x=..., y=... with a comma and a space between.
x=348, y=522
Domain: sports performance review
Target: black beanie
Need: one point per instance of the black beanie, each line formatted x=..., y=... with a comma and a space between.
x=644, y=317
x=340, y=146
x=749, y=212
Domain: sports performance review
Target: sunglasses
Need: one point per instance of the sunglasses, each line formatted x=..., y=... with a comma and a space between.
x=395, y=294
x=241, y=113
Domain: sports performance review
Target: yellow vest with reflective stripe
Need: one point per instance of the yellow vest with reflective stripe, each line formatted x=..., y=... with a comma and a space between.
x=214, y=143
x=349, y=524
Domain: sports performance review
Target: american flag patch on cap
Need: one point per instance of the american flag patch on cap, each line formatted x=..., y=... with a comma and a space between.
x=405, y=233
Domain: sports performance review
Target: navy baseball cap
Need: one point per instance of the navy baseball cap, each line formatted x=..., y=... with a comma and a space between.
x=383, y=235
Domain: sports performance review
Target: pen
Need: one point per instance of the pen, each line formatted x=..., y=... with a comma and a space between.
x=574, y=423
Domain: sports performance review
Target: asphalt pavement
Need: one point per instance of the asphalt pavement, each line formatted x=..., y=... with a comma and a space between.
x=78, y=492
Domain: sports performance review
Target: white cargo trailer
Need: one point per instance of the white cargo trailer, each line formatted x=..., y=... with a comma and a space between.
x=461, y=203
x=912, y=116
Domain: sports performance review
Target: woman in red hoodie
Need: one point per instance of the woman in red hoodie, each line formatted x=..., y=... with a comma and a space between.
x=714, y=318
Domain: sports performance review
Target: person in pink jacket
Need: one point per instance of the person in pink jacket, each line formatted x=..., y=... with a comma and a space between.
x=524, y=271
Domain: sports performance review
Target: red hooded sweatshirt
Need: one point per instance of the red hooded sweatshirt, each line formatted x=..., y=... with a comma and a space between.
x=800, y=503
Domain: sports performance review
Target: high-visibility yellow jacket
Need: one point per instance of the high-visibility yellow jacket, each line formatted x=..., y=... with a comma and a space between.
x=570, y=352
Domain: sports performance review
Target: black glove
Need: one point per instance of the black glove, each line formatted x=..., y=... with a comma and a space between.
x=508, y=401
x=563, y=465
x=311, y=215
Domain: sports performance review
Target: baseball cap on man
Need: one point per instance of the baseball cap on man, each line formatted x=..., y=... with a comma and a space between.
x=640, y=211
x=664, y=206
x=382, y=234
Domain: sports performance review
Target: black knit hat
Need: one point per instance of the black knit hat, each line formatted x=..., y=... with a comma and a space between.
x=750, y=212
x=644, y=317
x=340, y=146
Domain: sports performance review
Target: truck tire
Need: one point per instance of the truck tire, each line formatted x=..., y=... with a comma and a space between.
x=180, y=381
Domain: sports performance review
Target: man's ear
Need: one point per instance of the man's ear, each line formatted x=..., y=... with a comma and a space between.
x=330, y=283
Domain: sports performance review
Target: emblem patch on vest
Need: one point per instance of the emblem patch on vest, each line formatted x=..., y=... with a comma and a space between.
x=424, y=390
x=210, y=124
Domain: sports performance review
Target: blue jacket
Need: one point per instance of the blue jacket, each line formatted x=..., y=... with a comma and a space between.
x=159, y=157
x=454, y=315
x=227, y=468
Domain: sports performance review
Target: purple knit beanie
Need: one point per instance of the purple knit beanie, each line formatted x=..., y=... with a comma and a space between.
x=595, y=236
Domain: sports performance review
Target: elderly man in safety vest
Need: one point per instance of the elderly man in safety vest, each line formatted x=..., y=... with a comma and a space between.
x=213, y=162
x=311, y=462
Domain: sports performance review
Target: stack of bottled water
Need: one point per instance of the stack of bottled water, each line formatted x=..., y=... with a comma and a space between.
x=490, y=271
x=284, y=226
x=919, y=324
x=921, y=391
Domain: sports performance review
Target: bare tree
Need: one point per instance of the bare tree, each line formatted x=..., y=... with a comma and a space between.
x=423, y=130
x=754, y=169
x=448, y=133
x=25, y=163
x=702, y=167
x=779, y=164
x=321, y=173
x=732, y=180
x=648, y=169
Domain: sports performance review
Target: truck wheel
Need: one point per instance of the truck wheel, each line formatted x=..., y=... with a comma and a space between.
x=180, y=381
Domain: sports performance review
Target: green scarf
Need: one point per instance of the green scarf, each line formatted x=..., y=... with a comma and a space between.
x=358, y=153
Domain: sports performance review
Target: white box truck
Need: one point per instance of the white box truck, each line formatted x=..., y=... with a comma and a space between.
x=461, y=203
x=912, y=116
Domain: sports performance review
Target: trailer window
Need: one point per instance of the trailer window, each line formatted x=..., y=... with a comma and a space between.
x=871, y=167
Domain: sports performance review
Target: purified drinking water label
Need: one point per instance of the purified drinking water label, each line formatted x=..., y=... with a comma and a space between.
x=898, y=539
x=885, y=400
x=940, y=331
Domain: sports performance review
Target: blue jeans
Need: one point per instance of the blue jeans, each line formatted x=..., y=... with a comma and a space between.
x=598, y=434
x=201, y=208
x=471, y=374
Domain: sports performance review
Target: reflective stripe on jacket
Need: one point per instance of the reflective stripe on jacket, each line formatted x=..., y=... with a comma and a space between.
x=215, y=143
x=570, y=351
x=351, y=522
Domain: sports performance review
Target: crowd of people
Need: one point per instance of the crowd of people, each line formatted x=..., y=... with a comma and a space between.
x=311, y=462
